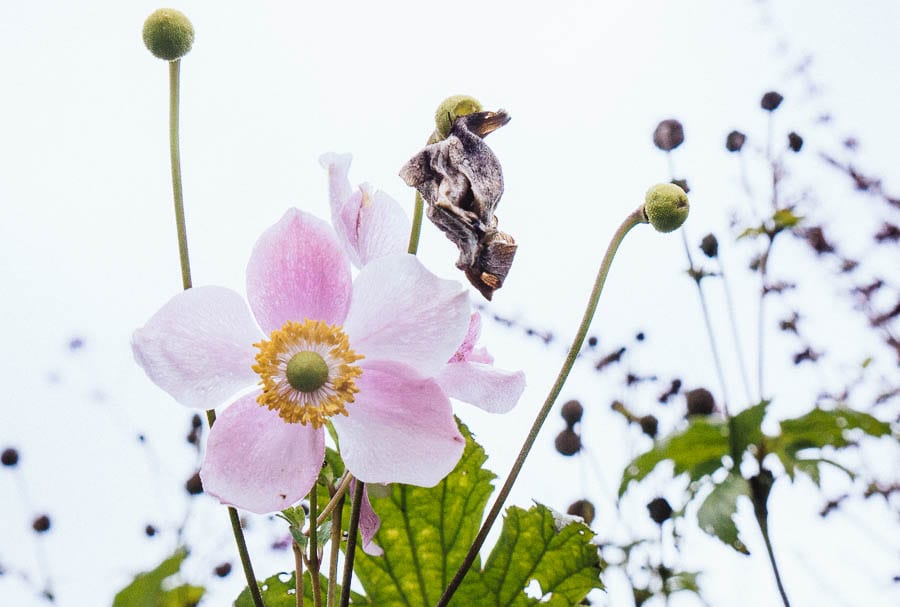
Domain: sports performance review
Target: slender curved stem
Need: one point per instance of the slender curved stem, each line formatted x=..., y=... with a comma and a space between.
x=764, y=529
x=336, y=520
x=298, y=567
x=175, y=155
x=336, y=499
x=717, y=360
x=636, y=217
x=350, y=552
x=734, y=332
x=314, y=546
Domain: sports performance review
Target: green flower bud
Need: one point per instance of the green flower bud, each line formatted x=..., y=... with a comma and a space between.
x=450, y=109
x=666, y=207
x=168, y=34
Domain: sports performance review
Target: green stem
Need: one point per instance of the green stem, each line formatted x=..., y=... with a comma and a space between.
x=314, y=546
x=350, y=552
x=636, y=217
x=734, y=332
x=764, y=529
x=416, y=225
x=706, y=319
x=336, y=499
x=336, y=520
x=298, y=567
x=175, y=155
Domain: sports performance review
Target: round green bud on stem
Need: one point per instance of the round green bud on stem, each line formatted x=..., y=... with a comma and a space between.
x=307, y=372
x=168, y=34
x=452, y=108
x=666, y=207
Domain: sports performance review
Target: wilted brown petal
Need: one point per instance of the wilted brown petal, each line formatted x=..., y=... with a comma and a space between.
x=461, y=180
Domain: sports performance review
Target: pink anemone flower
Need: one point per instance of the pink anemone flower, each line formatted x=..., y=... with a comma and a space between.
x=314, y=346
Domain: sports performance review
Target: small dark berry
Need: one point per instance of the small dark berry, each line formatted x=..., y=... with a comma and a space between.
x=149, y=530
x=770, y=101
x=584, y=509
x=649, y=425
x=572, y=412
x=639, y=336
x=710, y=246
x=568, y=443
x=795, y=141
x=196, y=422
x=669, y=134
x=681, y=183
x=41, y=524
x=735, y=141
x=10, y=457
x=592, y=341
x=223, y=570
x=194, y=485
x=700, y=402
x=660, y=510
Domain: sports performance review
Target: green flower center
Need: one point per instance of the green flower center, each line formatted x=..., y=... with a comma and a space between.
x=307, y=371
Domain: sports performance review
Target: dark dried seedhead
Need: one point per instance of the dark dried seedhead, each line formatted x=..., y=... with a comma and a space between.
x=10, y=457
x=669, y=134
x=649, y=425
x=735, y=141
x=770, y=101
x=568, y=442
x=700, y=402
x=150, y=531
x=461, y=180
x=572, y=412
x=194, y=486
x=584, y=509
x=710, y=246
x=41, y=524
x=795, y=141
x=660, y=510
x=222, y=570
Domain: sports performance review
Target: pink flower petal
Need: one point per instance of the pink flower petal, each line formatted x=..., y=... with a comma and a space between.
x=400, y=429
x=494, y=390
x=257, y=462
x=468, y=344
x=199, y=346
x=298, y=271
x=369, y=523
x=369, y=223
x=403, y=312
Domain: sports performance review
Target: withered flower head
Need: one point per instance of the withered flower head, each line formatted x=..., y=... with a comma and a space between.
x=461, y=180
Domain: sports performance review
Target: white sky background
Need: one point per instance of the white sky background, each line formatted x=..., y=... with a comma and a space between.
x=87, y=242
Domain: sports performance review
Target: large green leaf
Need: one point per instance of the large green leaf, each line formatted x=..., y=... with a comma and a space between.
x=697, y=451
x=537, y=544
x=147, y=589
x=426, y=532
x=715, y=515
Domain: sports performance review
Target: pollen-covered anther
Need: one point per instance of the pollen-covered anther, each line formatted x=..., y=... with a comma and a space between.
x=306, y=372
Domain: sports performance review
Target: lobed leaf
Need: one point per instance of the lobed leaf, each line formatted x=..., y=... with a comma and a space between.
x=715, y=515
x=148, y=589
x=697, y=451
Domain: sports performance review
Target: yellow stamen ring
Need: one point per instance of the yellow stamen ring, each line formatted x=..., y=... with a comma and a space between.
x=307, y=343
